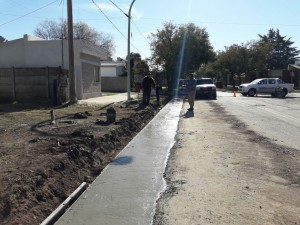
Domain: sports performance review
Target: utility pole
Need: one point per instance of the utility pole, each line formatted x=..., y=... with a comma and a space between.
x=128, y=52
x=73, y=97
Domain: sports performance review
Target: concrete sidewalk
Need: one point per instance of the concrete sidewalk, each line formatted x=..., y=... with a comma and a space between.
x=127, y=190
x=109, y=99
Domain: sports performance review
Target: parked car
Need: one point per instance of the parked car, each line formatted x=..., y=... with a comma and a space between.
x=206, y=88
x=273, y=86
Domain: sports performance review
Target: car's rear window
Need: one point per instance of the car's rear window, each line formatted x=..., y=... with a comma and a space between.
x=204, y=81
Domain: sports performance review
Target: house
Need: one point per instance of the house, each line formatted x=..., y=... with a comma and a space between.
x=33, y=52
x=295, y=73
x=113, y=68
x=113, y=76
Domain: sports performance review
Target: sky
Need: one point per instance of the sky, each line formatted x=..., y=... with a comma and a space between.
x=227, y=22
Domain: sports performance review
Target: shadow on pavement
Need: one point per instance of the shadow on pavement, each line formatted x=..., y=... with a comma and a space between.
x=188, y=114
x=122, y=160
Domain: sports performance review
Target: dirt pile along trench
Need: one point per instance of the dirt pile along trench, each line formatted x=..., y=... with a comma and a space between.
x=41, y=164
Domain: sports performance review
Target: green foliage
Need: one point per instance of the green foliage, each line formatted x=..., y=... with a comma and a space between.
x=141, y=68
x=179, y=50
x=281, y=52
x=272, y=51
x=2, y=39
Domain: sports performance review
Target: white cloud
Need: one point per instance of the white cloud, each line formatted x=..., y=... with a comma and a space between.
x=103, y=6
x=136, y=14
x=110, y=8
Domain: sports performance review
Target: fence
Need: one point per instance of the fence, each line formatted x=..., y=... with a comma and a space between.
x=33, y=83
x=114, y=84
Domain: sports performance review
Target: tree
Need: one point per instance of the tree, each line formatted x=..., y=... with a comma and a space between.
x=235, y=60
x=141, y=68
x=281, y=53
x=164, y=50
x=52, y=30
x=2, y=39
x=135, y=58
x=180, y=50
x=272, y=51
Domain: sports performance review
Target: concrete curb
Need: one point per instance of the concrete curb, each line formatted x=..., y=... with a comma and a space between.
x=60, y=210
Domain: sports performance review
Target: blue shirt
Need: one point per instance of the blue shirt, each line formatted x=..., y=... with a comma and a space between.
x=191, y=84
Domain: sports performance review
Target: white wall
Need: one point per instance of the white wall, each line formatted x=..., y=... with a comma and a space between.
x=12, y=53
x=108, y=71
x=31, y=51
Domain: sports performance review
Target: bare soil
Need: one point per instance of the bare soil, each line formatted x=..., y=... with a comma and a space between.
x=42, y=163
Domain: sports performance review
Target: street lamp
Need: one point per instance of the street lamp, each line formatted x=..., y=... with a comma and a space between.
x=128, y=51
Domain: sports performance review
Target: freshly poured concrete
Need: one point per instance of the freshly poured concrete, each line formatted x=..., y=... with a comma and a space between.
x=126, y=191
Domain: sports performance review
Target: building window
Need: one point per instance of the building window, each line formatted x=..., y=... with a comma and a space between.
x=97, y=73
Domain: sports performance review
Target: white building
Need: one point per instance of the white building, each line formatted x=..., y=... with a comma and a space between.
x=31, y=52
x=113, y=69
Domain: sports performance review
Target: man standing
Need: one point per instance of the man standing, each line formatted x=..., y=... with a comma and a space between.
x=191, y=88
x=147, y=84
x=158, y=89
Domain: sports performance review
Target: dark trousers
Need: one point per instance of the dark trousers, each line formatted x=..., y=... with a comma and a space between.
x=146, y=95
x=157, y=94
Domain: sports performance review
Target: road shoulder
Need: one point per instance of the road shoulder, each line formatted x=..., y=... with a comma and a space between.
x=221, y=173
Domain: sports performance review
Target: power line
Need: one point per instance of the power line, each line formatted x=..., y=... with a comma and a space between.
x=119, y=8
x=127, y=17
x=140, y=32
x=137, y=49
x=115, y=26
x=108, y=19
x=28, y=13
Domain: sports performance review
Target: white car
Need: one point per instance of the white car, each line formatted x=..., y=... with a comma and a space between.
x=273, y=86
x=206, y=88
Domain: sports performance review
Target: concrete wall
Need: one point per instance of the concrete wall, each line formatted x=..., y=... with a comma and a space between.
x=6, y=84
x=25, y=52
x=108, y=71
x=12, y=51
x=114, y=84
x=35, y=52
x=112, y=69
x=120, y=70
x=91, y=83
x=27, y=83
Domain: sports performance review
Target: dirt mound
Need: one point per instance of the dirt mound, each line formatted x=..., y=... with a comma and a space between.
x=42, y=163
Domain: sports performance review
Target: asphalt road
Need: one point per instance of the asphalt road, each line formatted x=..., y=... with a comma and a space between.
x=274, y=118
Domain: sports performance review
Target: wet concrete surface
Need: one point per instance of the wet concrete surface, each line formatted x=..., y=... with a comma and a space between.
x=127, y=189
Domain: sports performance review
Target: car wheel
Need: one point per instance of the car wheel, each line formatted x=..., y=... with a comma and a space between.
x=244, y=94
x=251, y=92
x=273, y=95
x=214, y=96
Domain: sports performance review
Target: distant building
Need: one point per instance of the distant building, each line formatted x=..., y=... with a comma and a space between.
x=294, y=70
x=113, y=68
x=34, y=52
x=114, y=76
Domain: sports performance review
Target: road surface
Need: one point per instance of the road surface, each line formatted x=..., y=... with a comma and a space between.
x=236, y=161
x=275, y=118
